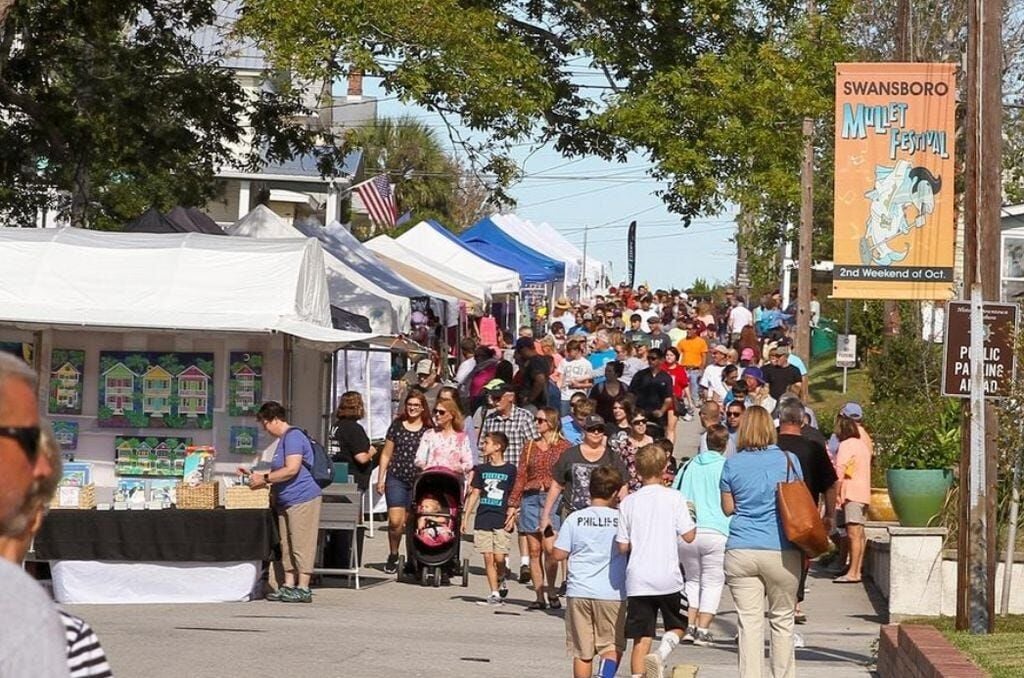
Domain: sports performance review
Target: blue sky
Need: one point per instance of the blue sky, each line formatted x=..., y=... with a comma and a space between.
x=574, y=194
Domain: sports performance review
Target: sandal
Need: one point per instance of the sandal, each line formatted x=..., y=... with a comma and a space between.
x=537, y=605
x=554, y=603
x=845, y=580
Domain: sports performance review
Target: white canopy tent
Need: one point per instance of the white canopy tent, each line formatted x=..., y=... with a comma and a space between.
x=193, y=281
x=387, y=314
x=393, y=251
x=526, y=234
x=594, y=268
x=337, y=240
x=427, y=241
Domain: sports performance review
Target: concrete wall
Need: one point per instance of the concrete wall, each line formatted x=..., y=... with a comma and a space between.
x=917, y=578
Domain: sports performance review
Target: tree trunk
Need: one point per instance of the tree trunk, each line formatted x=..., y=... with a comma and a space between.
x=80, y=195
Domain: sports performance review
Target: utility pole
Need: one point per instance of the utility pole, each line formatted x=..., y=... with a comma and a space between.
x=982, y=203
x=742, y=281
x=803, y=282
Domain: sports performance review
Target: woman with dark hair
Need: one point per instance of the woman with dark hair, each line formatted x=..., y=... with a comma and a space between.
x=296, y=500
x=353, y=444
x=748, y=339
x=627, y=444
x=398, y=470
x=609, y=391
x=622, y=414
x=527, y=502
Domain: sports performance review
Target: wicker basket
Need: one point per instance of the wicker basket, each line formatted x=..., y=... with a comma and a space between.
x=202, y=496
x=241, y=497
x=86, y=498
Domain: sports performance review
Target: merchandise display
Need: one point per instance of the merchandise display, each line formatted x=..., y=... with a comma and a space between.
x=67, y=369
x=66, y=434
x=244, y=440
x=151, y=456
x=245, y=385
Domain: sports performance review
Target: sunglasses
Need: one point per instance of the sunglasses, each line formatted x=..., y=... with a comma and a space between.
x=733, y=414
x=595, y=429
x=440, y=412
x=637, y=422
x=541, y=420
x=27, y=438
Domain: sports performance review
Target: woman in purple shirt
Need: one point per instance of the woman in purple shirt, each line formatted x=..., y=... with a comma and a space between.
x=295, y=497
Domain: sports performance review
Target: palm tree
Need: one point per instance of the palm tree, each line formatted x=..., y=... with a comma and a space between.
x=428, y=182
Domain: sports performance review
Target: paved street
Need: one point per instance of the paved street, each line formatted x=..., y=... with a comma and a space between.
x=391, y=629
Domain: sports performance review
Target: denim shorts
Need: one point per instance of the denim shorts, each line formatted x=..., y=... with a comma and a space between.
x=397, y=492
x=529, y=513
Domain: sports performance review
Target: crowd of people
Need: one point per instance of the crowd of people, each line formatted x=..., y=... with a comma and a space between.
x=569, y=439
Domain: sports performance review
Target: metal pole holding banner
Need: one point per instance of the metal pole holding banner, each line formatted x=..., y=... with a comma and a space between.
x=846, y=331
x=1011, y=535
x=977, y=566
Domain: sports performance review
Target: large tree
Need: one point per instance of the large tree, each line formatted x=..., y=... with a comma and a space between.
x=713, y=91
x=109, y=107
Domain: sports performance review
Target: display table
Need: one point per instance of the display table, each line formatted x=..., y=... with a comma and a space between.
x=165, y=556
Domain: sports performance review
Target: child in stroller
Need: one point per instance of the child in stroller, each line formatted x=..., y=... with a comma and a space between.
x=434, y=523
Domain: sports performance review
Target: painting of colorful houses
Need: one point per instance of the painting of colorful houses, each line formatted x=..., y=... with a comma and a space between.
x=244, y=440
x=66, y=369
x=245, y=385
x=155, y=390
x=66, y=434
x=150, y=456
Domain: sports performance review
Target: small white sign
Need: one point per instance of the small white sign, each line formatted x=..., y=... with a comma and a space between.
x=68, y=496
x=846, y=350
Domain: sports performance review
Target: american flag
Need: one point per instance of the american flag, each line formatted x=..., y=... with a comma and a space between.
x=379, y=200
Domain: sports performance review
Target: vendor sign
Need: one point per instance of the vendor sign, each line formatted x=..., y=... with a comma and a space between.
x=894, y=228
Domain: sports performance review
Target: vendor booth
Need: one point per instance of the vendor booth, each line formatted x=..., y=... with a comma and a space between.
x=149, y=345
x=543, y=238
x=413, y=266
x=387, y=313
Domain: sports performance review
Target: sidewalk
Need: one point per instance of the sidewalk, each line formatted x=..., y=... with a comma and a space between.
x=390, y=629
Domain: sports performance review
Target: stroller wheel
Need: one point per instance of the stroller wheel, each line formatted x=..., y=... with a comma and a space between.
x=424, y=576
x=401, y=569
x=437, y=577
x=465, y=573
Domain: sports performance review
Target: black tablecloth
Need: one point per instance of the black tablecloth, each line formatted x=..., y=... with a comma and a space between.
x=217, y=535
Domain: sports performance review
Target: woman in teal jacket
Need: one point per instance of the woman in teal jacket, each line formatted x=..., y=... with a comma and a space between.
x=703, y=560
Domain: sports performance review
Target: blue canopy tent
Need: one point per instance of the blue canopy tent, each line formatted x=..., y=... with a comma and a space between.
x=487, y=240
x=540, y=274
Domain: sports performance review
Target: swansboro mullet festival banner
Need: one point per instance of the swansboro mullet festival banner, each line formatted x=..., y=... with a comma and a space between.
x=894, y=228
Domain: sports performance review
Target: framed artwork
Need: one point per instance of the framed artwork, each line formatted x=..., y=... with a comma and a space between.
x=155, y=390
x=244, y=440
x=245, y=383
x=131, y=490
x=76, y=474
x=163, y=490
x=150, y=456
x=67, y=367
x=65, y=433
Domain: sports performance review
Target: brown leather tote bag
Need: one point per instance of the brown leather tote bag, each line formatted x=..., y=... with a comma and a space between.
x=800, y=518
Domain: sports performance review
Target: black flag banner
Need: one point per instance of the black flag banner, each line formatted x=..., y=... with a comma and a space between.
x=631, y=238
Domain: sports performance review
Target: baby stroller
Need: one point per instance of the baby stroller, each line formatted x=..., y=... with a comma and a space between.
x=432, y=538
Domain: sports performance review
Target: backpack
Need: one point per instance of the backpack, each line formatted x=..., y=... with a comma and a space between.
x=322, y=468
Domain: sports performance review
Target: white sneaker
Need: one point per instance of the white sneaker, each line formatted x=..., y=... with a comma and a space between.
x=687, y=417
x=654, y=667
x=798, y=640
x=491, y=601
x=704, y=639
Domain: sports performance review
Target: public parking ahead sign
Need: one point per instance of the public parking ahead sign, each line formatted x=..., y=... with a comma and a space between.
x=1000, y=322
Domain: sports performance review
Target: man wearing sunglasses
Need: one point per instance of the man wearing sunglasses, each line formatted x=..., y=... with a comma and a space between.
x=31, y=634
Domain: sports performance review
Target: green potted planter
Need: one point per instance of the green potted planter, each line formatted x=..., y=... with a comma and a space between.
x=920, y=458
x=918, y=495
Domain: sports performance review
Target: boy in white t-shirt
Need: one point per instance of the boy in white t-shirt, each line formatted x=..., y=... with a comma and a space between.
x=595, y=617
x=651, y=522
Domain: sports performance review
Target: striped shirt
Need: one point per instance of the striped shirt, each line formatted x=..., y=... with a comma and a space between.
x=85, y=656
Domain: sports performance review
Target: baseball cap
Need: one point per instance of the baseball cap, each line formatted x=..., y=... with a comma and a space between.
x=588, y=316
x=654, y=319
x=720, y=348
x=699, y=326
x=754, y=372
x=593, y=421
x=424, y=366
x=747, y=354
x=524, y=342
x=498, y=386
x=852, y=411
